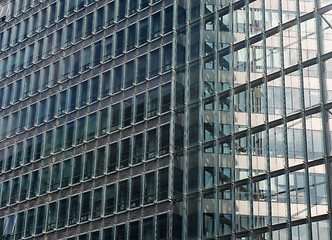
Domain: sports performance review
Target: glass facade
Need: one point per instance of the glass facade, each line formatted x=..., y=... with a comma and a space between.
x=165, y=119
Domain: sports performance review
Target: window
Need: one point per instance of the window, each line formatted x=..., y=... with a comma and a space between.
x=130, y=74
x=112, y=157
x=121, y=9
x=148, y=229
x=73, y=210
x=5, y=193
x=103, y=121
x=25, y=181
x=19, y=225
x=135, y=192
x=166, y=97
x=149, y=188
x=66, y=173
x=23, y=120
x=153, y=102
x=51, y=107
x=38, y=146
x=87, y=59
x=63, y=212
x=62, y=102
x=140, y=109
x=40, y=221
x=162, y=226
x=110, y=13
x=77, y=169
x=125, y=153
x=127, y=112
x=167, y=57
x=156, y=25
x=100, y=19
x=94, y=92
x=110, y=199
x=34, y=184
x=151, y=148
x=51, y=218
x=144, y=3
x=134, y=230
x=88, y=24
x=132, y=6
x=121, y=232
x=56, y=173
x=164, y=140
x=154, y=63
x=97, y=203
x=119, y=43
x=115, y=124
x=85, y=206
x=117, y=79
x=89, y=165
x=105, y=84
x=108, y=48
x=84, y=91
x=138, y=153
x=163, y=184
x=123, y=196
x=19, y=155
x=72, y=98
x=14, y=191
x=45, y=180
x=97, y=53
x=79, y=29
x=77, y=63
x=70, y=132
x=80, y=130
x=143, y=31
x=92, y=126
x=100, y=161
x=141, y=69
x=28, y=151
x=71, y=6
x=69, y=34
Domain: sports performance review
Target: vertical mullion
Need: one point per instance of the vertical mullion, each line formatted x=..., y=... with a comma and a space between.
x=283, y=97
x=303, y=119
x=217, y=119
x=266, y=109
x=248, y=134
x=324, y=114
x=232, y=119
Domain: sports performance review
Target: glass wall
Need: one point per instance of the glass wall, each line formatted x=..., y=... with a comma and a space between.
x=252, y=122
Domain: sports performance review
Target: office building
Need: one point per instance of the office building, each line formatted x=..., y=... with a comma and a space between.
x=165, y=119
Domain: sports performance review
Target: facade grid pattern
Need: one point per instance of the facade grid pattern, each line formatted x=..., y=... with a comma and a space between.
x=165, y=119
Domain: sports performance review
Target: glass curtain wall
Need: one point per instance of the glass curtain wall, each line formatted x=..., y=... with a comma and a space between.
x=252, y=133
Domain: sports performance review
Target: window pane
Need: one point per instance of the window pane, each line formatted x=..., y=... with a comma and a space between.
x=125, y=152
x=149, y=188
x=97, y=203
x=163, y=184
x=100, y=161
x=78, y=169
x=110, y=199
x=135, y=195
x=112, y=157
x=138, y=153
x=89, y=165
x=123, y=196
x=85, y=206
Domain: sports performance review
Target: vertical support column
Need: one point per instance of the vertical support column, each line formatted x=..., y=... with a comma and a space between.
x=325, y=118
